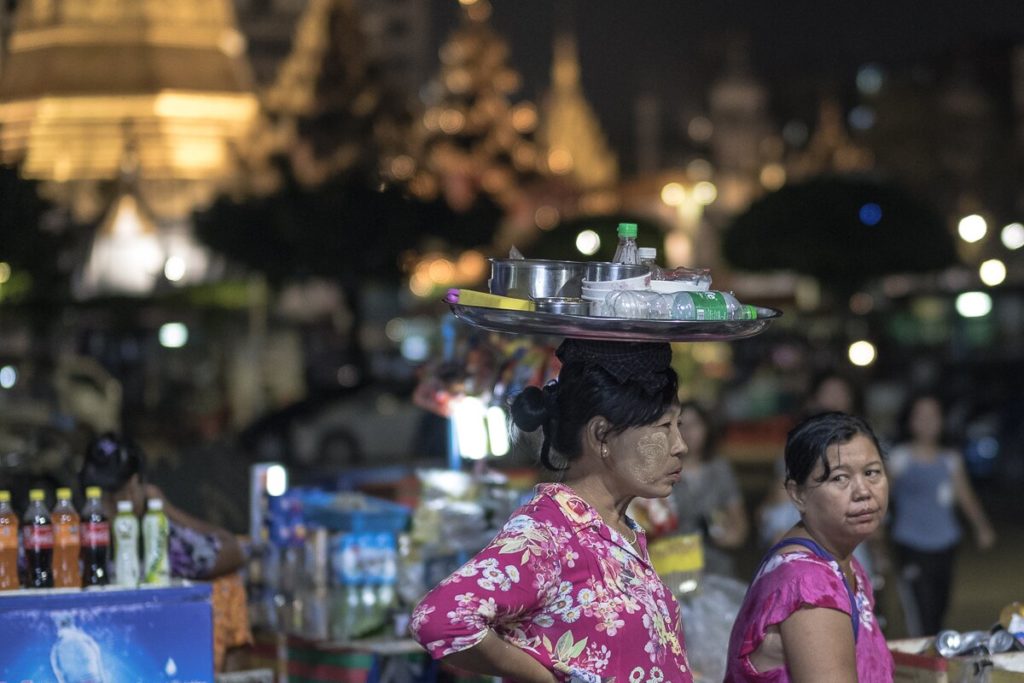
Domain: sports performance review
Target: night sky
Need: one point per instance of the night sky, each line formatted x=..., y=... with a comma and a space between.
x=800, y=48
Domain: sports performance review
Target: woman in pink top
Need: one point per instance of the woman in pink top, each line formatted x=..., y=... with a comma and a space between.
x=566, y=591
x=809, y=614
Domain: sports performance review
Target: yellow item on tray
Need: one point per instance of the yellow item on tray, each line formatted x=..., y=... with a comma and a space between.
x=468, y=297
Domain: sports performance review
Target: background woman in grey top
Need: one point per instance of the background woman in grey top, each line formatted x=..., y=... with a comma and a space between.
x=708, y=499
x=928, y=484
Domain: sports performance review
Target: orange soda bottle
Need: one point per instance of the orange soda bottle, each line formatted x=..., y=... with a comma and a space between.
x=8, y=544
x=66, y=542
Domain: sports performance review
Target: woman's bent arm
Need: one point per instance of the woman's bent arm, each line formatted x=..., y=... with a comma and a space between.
x=818, y=645
x=493, y=656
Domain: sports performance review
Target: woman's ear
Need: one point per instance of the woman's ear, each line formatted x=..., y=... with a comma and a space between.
x=595, y=435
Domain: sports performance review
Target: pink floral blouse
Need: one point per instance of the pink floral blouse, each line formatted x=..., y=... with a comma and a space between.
x=560, y=584
x=788, y=582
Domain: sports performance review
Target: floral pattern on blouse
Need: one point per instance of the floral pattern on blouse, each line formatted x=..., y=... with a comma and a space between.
x=790, y=581
x=560, y=584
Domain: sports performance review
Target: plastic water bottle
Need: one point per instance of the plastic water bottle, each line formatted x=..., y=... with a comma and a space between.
x=639, y=303
x=37, y=533
x=75, y=657
x=648, y=257
x=626, y=252
x=710, y=305
x=126, y=546
x=67, y=541
x=154, y=544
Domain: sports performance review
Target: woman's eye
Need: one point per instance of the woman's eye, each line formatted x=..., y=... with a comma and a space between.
x=840, y=478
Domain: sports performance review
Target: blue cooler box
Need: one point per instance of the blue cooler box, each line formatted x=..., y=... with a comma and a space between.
x=107, y=635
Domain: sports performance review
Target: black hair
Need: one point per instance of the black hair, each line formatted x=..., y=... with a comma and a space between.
x=905, y=435
x=807, y=444
x=110, y=462
x=819, y=380
x=581, y=392
x=710, y=428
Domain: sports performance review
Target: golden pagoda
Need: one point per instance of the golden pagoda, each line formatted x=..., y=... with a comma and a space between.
x=570, y=132
x=86, y=79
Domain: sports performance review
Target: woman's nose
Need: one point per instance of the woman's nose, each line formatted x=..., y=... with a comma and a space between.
x=679, y=444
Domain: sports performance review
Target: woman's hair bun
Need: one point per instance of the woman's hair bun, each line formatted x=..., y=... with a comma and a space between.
x=531, y=409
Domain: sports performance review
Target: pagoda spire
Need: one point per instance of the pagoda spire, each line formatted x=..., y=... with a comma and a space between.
x=570, y=132
x=473, y=140
x=329, y=111
x=830, y=149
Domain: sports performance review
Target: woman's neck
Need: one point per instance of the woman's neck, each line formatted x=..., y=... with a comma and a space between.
x=841, y=552
x=610, y=506
x=926, y=449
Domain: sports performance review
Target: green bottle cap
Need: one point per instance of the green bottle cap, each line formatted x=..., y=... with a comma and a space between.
x=627, y=230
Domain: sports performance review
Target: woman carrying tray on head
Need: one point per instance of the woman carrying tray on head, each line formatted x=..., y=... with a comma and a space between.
x=566, y=591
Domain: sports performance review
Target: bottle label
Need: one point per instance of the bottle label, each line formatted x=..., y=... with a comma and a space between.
x=38, y=537
x=8, y=537
x=96, y=534
x=709, y=306
x=66, y=535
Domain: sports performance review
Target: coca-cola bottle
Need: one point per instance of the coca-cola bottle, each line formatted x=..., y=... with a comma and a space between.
x=37, y=538
x=95, y=540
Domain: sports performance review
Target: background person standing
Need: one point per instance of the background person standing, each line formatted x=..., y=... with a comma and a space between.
x=928, y=484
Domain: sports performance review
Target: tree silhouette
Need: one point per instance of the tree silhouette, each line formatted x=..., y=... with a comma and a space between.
x=841, y=230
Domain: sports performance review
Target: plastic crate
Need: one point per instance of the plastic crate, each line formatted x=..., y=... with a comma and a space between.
x=353, y=512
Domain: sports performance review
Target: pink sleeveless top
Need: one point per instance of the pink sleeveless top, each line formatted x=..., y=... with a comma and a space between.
x=788, y=582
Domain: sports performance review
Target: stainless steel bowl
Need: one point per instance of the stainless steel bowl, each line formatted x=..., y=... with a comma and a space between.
x=606, y=270
x=562, y=304
x=536, y=278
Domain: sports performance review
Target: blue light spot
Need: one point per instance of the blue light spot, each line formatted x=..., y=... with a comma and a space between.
x=870, y=214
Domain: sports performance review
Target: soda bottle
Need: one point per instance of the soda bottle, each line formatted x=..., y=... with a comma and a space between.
x=95, y=540
x=37, y=537
x=157, y=570
x=8, y=544
x=66, y=542
x=126, y=545
x=626, y=252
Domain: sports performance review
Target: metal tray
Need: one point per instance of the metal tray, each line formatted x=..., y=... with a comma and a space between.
x=613, y=329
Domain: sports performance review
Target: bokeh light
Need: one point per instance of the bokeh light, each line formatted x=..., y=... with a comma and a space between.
x=972, y=228
x=992, y=272
x=862, y=353
x=870, y=214
x=588, y=242
x=673, y=194
x=173, y=335
x=870, y=79
x=974, y=304
x=705, y=192
x=1012, y=236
